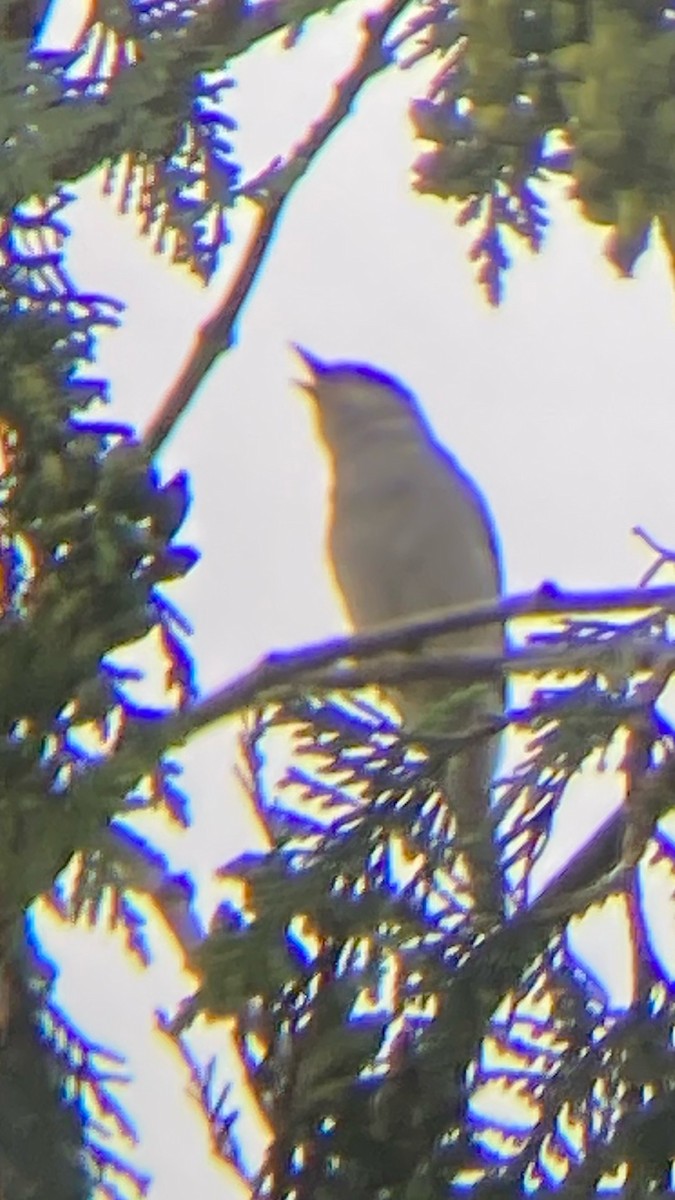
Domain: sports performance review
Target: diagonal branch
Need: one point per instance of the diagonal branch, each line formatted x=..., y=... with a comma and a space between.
x=270, y=192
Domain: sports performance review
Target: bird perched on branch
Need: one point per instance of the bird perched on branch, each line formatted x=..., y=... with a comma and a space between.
x=408, y=532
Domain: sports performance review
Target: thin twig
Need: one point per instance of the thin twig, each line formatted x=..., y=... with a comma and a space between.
x=664, y=555
x=216, y=334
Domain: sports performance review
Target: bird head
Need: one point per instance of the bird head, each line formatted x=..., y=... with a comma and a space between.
x=354, y=400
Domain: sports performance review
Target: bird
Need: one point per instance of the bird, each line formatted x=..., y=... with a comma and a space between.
x=408, y=532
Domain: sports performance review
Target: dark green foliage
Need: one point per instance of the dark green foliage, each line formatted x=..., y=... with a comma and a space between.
x=84, y=542
x=40, y=1138
x=599, y=75
x=151, y=110
x=20, y=20
x=86, y=535
x=376, y=1010
x=86, y=1075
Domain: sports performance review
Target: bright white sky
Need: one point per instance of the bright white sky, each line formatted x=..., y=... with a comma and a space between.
x=560, y=404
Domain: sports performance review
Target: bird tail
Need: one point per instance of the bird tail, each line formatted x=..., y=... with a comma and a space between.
x=468, y=777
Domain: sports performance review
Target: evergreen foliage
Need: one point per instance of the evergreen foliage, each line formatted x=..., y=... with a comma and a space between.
x=401, y=1044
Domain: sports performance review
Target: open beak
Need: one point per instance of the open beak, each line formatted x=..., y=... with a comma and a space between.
x=315, y=368
x=314, y=365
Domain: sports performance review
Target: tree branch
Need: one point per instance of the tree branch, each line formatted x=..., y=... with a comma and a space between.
x=269, y=192
x=282, y=674
x=94, y=796
x=275, y=674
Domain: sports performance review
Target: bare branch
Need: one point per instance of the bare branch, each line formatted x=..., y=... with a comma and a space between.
x=282, y=674
x=270, y=191
x=272, y=677
x=216, y=334
x=664, y=556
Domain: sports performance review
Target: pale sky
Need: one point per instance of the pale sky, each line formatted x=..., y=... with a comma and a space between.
x=560, y=404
